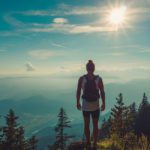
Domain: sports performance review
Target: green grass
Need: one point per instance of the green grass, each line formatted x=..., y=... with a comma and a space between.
x=105, y=144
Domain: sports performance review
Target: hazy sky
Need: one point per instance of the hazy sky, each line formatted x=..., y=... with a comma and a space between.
x=57, y=37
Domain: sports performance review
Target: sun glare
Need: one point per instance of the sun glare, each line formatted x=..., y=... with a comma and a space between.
x=117, y=15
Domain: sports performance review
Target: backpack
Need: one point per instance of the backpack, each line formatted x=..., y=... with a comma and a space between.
x=90, y=93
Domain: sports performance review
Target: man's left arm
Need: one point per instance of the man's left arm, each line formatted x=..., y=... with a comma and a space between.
x=101, y=87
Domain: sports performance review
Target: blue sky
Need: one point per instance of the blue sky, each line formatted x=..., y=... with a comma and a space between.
x=53, y=37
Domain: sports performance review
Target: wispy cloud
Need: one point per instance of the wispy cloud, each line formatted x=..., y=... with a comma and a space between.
x=125, y=46
x=37, y=13
x=84, y=10
x=62, y=24
x=70, y=68
x=9, y=33
x=71, y=28
x=123, y=68
x=60, y=20
x=130, y=48
x=140, y=10
x=116, y=54
x=29, y=67
x=64, y=9
x=89, y=29
x=144, y=49
x=58, y=45
x=59, y=25
x=44, y=54
x=9, y=18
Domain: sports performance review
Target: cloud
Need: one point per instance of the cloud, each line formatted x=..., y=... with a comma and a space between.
x=144, y=50
x=136, y=48
x=29, y=67
x=44, y=54
x=72, y=28
x=80, y=10
x=84, y=10
x=62, y=25
x=146, y=68
x=58, y=25
x=70, y=68
x=130, y=48
x=37, y=13
x=65, y=10
x=58, y=45
x=123, y=68
x=9, y=33
x=116, y=54
x=89, y=29
x=60, y=20
x=12, y=20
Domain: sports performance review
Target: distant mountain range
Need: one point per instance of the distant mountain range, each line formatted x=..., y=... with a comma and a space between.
x=34, y=112
x=38, y=112
x=38, y=115
x=37, y=106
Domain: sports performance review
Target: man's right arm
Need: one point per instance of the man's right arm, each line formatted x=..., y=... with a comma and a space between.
x=78, y=93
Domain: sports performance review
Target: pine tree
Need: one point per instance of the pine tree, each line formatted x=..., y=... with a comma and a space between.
x=10, y=131
x=21, y=142
x=118, y=117
x=61, y=136
x=32, y=143
x=130, y=139
x=144, y=102
x=12, y=136
x=120, y=124
x=143, y=121
x=132, y=117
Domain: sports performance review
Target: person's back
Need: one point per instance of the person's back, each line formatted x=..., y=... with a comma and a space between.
x=91, y=94
x=92, y=87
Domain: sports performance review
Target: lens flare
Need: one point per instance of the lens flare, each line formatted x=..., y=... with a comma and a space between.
x=117, y=15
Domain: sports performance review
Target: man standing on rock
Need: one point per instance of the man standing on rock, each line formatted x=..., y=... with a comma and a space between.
x=92, y=88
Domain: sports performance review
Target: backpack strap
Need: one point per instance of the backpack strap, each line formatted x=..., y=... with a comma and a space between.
x=95, y=77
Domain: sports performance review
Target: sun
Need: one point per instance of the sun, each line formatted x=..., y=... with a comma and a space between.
x=117, y=16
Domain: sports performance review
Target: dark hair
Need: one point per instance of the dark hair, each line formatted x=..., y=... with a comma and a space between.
x=90, y=66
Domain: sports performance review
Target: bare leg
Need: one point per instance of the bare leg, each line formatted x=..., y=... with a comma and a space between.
x=95, y=130
x=87, y=129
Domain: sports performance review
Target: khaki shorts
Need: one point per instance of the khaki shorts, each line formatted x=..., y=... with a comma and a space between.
x=94, y=114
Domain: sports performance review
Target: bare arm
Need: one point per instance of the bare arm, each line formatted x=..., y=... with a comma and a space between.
x=101, y=87
x=78, y=93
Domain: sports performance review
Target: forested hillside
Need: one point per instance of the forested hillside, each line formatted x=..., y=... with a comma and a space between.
x=127, y=128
